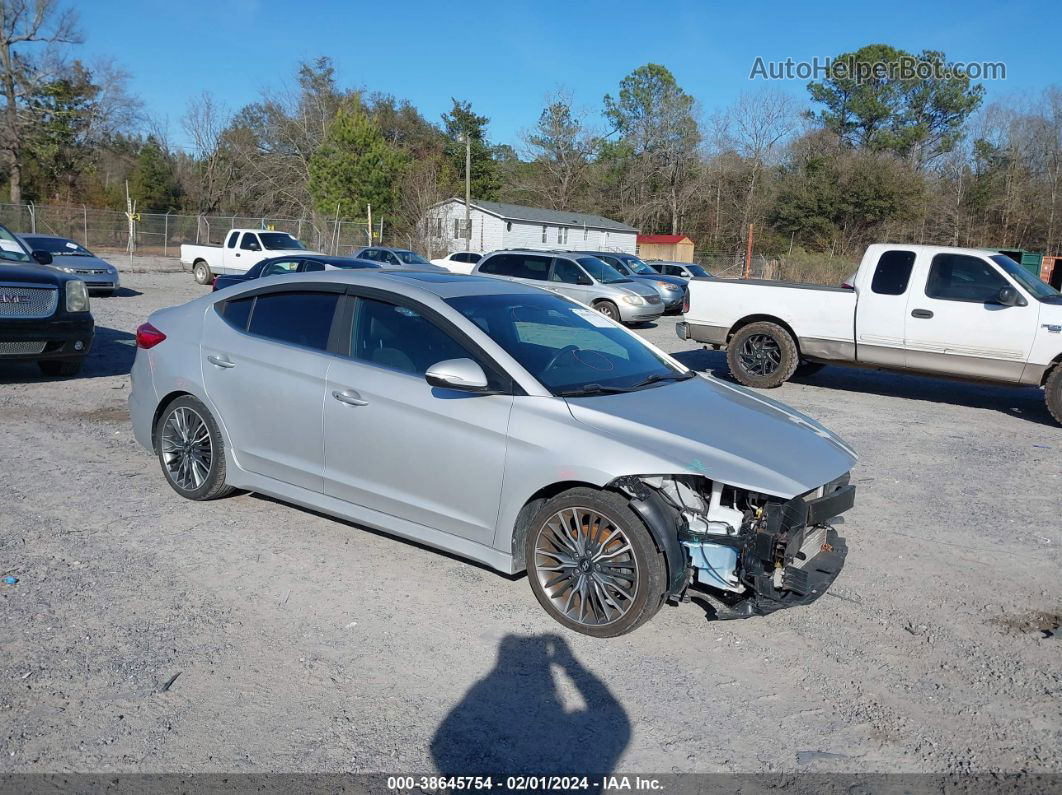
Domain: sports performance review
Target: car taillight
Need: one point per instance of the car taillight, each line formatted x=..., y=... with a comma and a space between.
x=147, y=336
x=686, y=303
x=214, y=283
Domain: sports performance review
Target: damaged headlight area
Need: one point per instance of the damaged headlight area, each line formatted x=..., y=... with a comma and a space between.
x=749, y=553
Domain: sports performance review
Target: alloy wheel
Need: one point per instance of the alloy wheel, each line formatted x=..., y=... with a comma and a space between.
x=760, y=354
x=187, y=451
x=586, y=566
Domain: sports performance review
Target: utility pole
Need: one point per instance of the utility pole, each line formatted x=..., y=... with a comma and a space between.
x=748, y=254
x=468, y=191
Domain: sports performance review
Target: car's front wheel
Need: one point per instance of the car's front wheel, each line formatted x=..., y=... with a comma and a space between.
x=1053, y=393
x=608, y=309
x=191, y=450
x=593, y=565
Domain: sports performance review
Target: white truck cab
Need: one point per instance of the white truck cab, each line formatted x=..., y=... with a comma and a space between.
x=958, y=312
x=242, y=249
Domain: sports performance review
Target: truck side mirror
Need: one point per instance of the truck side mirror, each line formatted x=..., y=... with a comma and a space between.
x=1008, y=296
x=43, y=257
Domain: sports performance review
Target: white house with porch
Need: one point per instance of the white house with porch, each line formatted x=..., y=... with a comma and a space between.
x=498, y=225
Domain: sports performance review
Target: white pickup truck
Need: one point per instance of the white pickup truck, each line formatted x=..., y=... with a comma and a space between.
x=957, y=312
x=243, y=248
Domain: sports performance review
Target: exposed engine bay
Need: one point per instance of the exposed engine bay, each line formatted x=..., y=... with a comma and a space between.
x=749, y=553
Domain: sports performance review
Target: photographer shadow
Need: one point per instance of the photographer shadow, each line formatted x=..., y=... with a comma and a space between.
x=514, y=721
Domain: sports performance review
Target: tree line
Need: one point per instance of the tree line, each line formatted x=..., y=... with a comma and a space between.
x=862, y=160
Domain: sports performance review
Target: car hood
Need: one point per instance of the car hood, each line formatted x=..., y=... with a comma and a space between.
x=723, y=432
x=16, y=272
x=659, y=277
x=75, y=261
x=638, y=287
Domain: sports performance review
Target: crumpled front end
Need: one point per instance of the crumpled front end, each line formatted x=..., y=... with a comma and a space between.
x=746, y=553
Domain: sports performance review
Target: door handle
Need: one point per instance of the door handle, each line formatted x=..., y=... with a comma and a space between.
x=350, y=397
x=221, y=361
x=924, y=314
x=237, y=253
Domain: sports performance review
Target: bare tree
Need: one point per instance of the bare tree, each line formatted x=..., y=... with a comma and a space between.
x=205, y=123
x=25, y=22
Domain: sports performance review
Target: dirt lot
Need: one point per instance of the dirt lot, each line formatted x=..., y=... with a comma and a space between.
x=147, y=633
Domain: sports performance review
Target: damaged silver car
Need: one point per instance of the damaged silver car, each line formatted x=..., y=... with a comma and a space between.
x=503, y=423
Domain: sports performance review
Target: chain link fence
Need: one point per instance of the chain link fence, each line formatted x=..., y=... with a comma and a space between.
x=163, y=233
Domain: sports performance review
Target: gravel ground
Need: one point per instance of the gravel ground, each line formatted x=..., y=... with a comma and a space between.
x=148, y=633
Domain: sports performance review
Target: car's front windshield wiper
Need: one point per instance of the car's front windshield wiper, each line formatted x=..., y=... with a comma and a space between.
x=594, y=389
x=656, y=378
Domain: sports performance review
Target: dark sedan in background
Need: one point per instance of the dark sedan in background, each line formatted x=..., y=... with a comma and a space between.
x=277, y=266
x=69, y=256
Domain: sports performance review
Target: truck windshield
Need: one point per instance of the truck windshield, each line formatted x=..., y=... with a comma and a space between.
x=280, y=241
x=569, y=348
x=1043, y=292
x=10, y=249
x=602, y=272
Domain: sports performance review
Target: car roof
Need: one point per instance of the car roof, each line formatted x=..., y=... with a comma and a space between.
x=325, y=258
x=413, y=283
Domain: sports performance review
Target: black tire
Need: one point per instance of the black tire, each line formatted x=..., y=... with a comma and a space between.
x=808, y=369
x=762, y=355
x=627, y=578
x=60, y=367
x=608, y=309
x=198, y=480
x=202, y=273
x=1053, y=393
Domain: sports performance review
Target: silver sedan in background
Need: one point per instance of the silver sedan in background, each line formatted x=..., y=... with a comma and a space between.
x=503, y=423
x=71, y=257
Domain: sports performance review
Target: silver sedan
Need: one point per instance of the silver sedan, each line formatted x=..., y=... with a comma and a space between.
x=502, y=423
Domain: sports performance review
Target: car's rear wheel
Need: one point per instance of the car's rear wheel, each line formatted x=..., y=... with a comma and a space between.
x=60, y=367
x=1053, y=393
x=201, y=271
x=593, y=565
x=608, y=309
x=191, y=450
x=762, y=355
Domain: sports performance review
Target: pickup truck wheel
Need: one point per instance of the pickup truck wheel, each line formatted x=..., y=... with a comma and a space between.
x=1053, y=393
x=762, y=355
x=191, y=450
x=201, y=271
x=593, y=565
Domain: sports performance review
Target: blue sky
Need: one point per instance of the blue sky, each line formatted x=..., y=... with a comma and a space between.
x=506, y=57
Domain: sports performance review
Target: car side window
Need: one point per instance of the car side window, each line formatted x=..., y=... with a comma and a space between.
x=568, y=272
x=532, y=267
x=893, y=273
x=473, y=257
x=231, y=242
x=959, y=277
x=299, y=318
x=400, y=338
x=615, y=263
x=500, y=265
x=461, y=257
x=250, y=242
x=281, y=266
x=236, y=313
x=310, y=266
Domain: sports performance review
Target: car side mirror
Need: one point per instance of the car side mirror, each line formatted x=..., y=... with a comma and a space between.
x=1008, y=296
x=43, y=257
x=463, y=374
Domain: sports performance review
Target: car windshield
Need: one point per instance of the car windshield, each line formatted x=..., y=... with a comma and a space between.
x=280, y=241
x=602, y=272
x=697, y=270
x=637, y=266
x=572, y=350
x=410, y=257
x=1039, y=289
x=59, y=246
x=10, y=249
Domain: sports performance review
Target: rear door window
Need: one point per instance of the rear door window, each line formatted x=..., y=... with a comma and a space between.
x=500, y=265
x=309, y=266
x=959, y=277
x=298, y=318
x=237, y=312
x=532, y=267
x=231, y=242
x=893, y=273
x=281, y=266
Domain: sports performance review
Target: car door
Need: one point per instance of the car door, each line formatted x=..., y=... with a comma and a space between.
x=568, y=279
x=265, y=359
x=397, y=445
x=881, y=310
x=246, y=254
x=956, y=325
